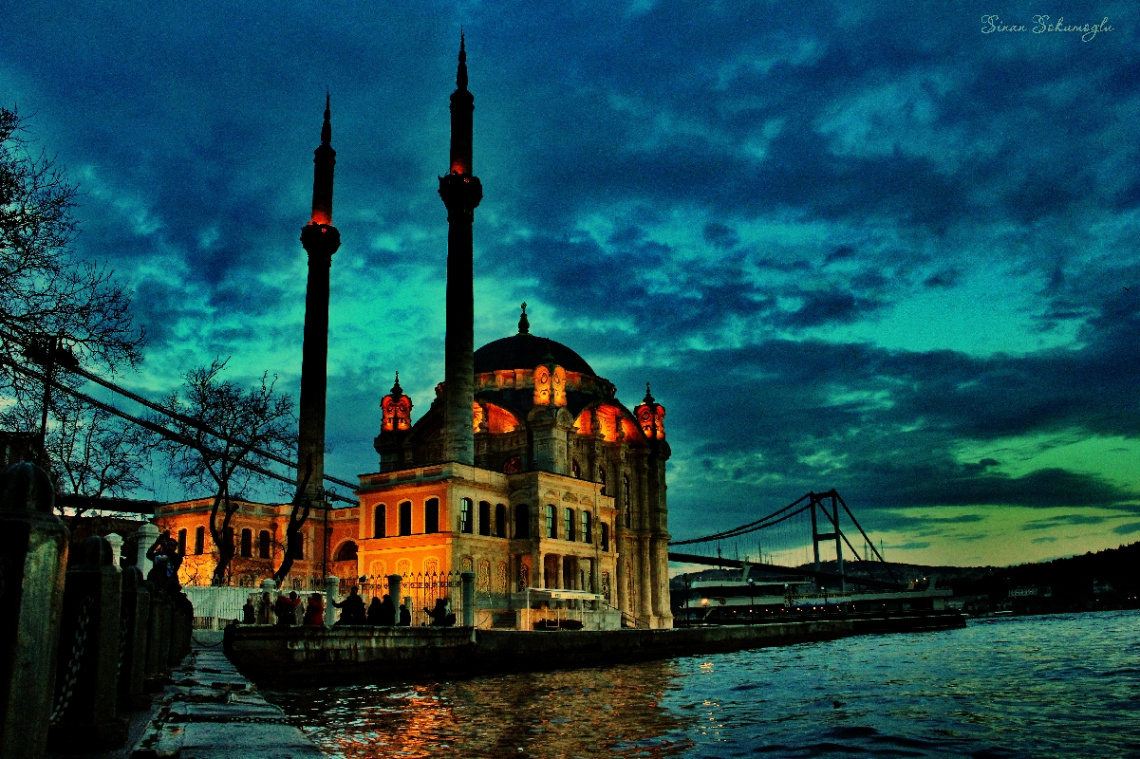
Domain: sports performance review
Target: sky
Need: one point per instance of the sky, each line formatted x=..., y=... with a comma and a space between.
x=885, y=248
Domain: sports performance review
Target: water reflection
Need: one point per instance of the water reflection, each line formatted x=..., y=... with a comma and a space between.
x=615, y=711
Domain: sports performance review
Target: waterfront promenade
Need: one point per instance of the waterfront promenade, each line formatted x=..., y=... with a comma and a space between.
x=209, y=711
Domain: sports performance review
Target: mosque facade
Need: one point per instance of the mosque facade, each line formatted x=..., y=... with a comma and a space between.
x=526, y=469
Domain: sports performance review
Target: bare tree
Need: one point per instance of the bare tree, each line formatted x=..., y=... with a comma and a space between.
x=250, y=421
x=43, y=290
x=90, y=452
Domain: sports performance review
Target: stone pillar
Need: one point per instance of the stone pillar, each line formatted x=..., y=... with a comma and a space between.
x=33, y=557
x=116, y=542
x=135, y=615
x=148, y=533
x=645, y=580
x=557, y=572
x=157, y=638
x=394, y=586
x=87, y=681
x=468, y=579
x=332, y=590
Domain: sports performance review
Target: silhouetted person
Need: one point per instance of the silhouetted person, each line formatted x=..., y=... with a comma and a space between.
x=166, y=560
x=352, y=609
x=248, y=613
x=441, y=615
x=375, y=611
x=405, y=616
x=315, y=611
x=387, y=612
x=285, y=611
x=265, y=609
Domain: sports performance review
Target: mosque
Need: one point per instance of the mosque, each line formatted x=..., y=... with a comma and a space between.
x=526, y=469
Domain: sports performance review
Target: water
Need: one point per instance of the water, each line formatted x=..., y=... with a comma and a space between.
x=1065, y=685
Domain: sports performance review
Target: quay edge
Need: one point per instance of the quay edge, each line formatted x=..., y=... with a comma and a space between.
x=358, y=654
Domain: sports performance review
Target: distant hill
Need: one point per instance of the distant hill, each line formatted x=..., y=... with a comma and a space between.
x=1106, y=579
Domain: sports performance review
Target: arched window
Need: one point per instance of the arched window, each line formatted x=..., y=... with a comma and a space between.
x=522, y=521
x=431, y=515
x=466, y=506
x=551, y=521
x=484, y=518
x=228, y=538
x=200, y=541
x=602, y=478
x=568, y=524
x=182, y=541
x=405, y=517
x=379, y=521
x=500, y=520
x=247, y=542
x=263, y=544
x=587, y=531
x=346, y=552
x=605, y=537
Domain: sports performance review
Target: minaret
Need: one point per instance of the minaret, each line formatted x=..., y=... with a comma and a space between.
x=461, y=193
x=320, y=240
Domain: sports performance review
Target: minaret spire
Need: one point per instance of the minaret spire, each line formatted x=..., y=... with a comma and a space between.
x=461, y=192
x=320, y=240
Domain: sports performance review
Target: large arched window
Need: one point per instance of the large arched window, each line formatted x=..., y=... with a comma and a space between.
x=405, y=517
x=466, y=506
x=379, y=521
x=228, y=538
x=500, y=520
x=247, y=542
x=568, y=524
x=431, y=515
x=605, y=537
x=346, y=552
x=522, y=521
x=200, y=541
x=484, y=518
x=263, y=544
x=587, y=528
x=182, y=541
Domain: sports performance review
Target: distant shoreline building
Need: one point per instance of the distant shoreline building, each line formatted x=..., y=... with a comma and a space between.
x=526, y=470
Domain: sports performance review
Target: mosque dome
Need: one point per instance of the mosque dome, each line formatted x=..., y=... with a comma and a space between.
x=526, y=351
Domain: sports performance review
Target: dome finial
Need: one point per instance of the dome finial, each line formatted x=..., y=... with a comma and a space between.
x=396, y=389
x=648, y=395
x=524, y=323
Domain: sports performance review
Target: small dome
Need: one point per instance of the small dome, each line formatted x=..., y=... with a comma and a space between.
x=526, y=351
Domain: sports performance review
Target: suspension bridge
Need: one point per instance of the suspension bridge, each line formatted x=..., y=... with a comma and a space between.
x=784, y=530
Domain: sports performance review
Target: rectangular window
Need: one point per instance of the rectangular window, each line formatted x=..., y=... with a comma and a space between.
x=551, y=521
x=605, y=537
x=522, y=521
x=431, y=515
x=568, y=525
x=263, y=544
x=182, y=542
x=406, y=518
x=247, y=542
x=466, y=506
x=587, y=533
x=200, y=541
